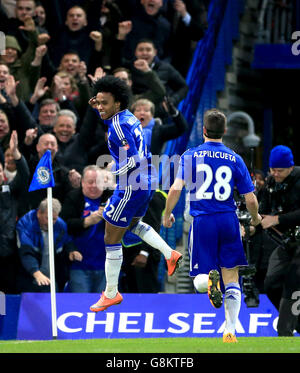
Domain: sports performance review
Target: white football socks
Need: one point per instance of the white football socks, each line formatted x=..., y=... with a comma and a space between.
x=152, y=238
x=232, y=305
x=113, y=263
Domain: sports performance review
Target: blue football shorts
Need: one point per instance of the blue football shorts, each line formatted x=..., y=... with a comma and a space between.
x=214, y=242
x=124, y=205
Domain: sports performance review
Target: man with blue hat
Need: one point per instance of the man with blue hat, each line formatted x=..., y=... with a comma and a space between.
x=280, y=209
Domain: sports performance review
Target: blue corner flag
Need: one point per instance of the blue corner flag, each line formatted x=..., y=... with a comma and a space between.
x=43, y=175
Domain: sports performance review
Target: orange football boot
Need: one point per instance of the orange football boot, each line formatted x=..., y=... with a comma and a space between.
x=104, y=302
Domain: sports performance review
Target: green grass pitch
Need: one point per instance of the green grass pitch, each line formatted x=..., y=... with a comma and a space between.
x=156, y=345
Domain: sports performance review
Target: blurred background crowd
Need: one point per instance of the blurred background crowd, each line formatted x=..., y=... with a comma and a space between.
x=54, y=52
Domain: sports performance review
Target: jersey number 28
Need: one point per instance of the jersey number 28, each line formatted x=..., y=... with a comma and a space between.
x=222, y=187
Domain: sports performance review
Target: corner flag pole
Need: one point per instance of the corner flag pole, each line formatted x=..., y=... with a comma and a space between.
x=42, y=179
x=51, y=264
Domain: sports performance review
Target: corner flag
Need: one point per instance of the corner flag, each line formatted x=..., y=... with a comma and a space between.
x=43, y=178
x=43, y=175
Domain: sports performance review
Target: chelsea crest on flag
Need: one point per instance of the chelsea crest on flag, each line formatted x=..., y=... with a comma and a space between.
x=43, y=175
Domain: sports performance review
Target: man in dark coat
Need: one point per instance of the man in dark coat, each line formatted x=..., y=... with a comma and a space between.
x=147, y=22
x=60, y=173
x=10, y=194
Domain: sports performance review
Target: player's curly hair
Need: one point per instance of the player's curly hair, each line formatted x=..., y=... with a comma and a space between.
x=117, y=87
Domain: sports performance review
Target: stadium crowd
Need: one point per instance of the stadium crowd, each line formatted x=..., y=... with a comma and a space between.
x=55, y=51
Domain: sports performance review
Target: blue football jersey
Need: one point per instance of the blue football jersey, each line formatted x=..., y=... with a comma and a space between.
x=128, y=148
x=211, y=171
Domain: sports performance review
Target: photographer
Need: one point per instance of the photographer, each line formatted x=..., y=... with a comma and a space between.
x=280, y=208
x=258, y=247
x=247, y=273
